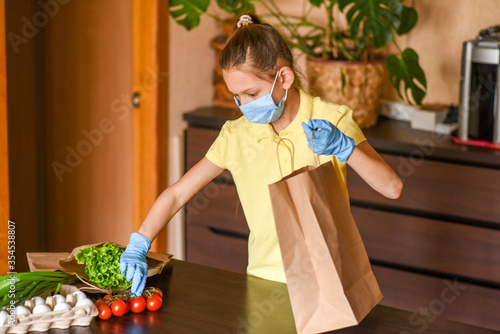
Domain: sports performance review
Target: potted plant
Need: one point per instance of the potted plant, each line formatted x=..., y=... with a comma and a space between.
x=188, y=13
x=345, y=63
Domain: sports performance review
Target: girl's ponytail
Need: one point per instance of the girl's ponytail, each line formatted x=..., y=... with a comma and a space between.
x=247, y=19
x=257, y=45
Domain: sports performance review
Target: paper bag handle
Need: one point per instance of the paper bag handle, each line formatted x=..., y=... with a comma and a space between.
x=315, y=156
x=278, y=154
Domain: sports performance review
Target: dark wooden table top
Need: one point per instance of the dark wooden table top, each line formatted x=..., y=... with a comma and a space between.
x=200, y=299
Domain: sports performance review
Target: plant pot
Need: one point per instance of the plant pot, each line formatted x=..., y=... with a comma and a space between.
x=362, y=90
x=222, y=96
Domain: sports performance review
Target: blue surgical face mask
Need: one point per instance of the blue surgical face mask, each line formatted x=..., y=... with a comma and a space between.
x=263, y=110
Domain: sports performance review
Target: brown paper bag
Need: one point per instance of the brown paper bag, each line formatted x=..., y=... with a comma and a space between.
x=66, y=262
x=329, y=277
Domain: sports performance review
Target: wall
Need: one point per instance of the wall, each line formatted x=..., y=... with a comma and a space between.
x=191, y=63
x=443, y=26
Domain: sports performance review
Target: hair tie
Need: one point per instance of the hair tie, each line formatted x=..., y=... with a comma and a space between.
x=244, y=20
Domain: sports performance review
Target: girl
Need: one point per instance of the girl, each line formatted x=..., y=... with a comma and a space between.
x=258, y=69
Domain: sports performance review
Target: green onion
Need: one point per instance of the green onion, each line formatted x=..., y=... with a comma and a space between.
x=23, y=286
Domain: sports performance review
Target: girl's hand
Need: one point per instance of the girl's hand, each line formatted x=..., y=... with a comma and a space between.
x=328, y=139
x=133, y=262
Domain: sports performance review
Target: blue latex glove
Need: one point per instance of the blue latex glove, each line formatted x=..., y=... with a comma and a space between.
x=133, y=262
x=328, y=139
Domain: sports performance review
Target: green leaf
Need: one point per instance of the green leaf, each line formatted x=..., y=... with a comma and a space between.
x=237, y=7
x=409, y=18
x=309, y=43
x=407, y=71
x=342, y=80
x=316, y=3
x=187, y=12
x=375, y=19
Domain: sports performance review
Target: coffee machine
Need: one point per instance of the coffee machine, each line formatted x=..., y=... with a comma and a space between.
x=479, y=112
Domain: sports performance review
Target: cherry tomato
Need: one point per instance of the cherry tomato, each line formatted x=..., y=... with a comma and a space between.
x=154, y=302
x=137, y=305
x=123, y=296
x=99, y=302
x=108, y=298
x=155, y=291
x=119, y=307
x=104, y=312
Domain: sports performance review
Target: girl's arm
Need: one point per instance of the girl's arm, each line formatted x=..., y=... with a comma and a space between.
x=174, y=197
x=375, y=171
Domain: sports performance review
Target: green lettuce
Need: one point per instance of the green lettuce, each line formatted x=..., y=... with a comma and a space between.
x=102, y=265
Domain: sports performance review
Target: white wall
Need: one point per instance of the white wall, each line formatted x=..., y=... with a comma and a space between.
x=191, y=63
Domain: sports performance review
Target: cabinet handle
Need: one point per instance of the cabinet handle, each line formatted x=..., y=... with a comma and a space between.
x=228, y=233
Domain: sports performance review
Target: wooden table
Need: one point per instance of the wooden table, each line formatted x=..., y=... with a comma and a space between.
x=200, y=299
x=444, y=227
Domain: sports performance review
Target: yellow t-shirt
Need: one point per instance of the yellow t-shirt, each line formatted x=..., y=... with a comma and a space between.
x=249, y=152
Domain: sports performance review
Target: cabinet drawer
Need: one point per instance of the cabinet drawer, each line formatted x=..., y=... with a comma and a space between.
x=217, y=206
x=212, y=248
x=198, y=141
x=456, y=249
x=438, y=188
x=467, y=303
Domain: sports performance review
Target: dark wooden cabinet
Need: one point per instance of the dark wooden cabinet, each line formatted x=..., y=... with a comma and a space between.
x=435, y=251
x=216, y=229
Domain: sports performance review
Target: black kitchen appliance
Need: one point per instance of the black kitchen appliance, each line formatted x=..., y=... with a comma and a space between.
x=479, y=114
